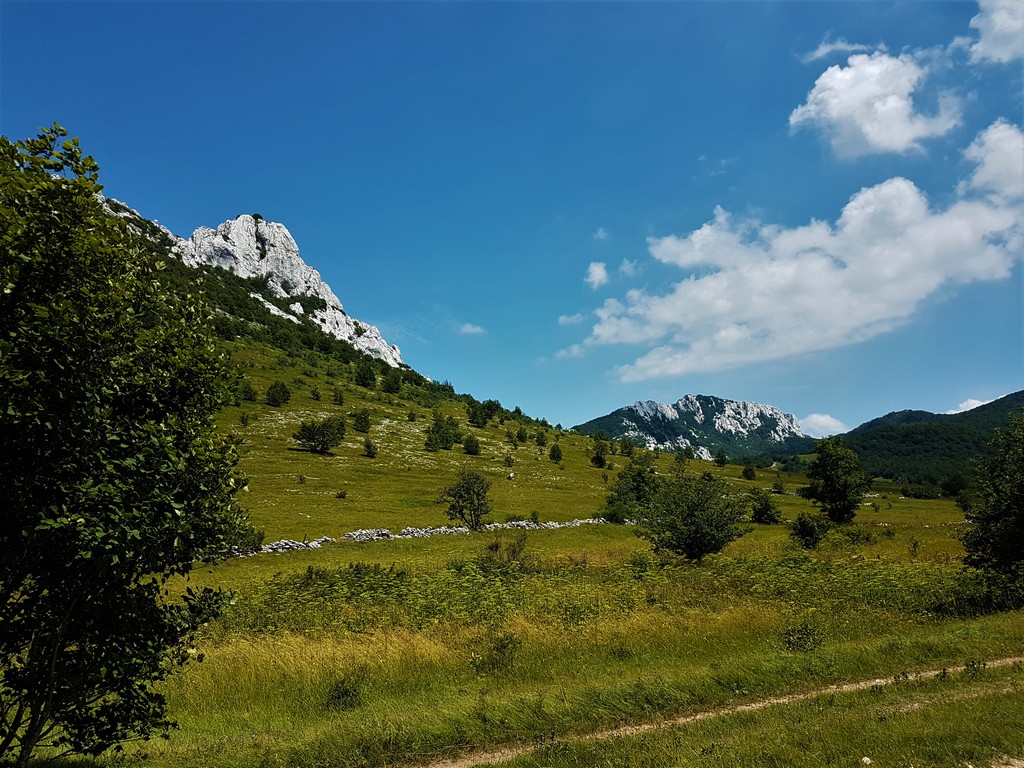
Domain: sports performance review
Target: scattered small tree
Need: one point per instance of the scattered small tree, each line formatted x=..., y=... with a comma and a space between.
x=365, y=375
x=471, y=445
x=278, y=394
x=633, y=491
x=369, y=448
x=763, y=507
x=392, y=383
x=721, y=458
x=320, y=436
x=838, y=481
x=467, y=499
x=808, y=530
x=443, y=433
x=339, y=396
x=692, y=516
x=315, y=392
x=247, y=391
x=748, y=473
x=361, y=420
x=555, y=454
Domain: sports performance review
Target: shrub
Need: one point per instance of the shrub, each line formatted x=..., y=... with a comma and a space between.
x=315, y=392
x=497, y=654
x=802, y=637
x=247, y=391
x=365, y=375
x=749, y=473
x=278, y=394
x=555, y=454
x=471, y=445
x=361, y=420
x=369, y=448
x=808, y=530
x=691, y=516
x=339, y=397
x=347, y=691
x=763, y=508
x=321, y=436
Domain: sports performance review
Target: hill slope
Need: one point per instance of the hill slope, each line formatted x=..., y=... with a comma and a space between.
x=923, y=447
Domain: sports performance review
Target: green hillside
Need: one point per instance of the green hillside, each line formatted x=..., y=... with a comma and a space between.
x=922, y=447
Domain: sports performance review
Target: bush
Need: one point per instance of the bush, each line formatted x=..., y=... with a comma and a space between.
x=361, y=420
x=247, y=391
x=365, y=375
x=808, y=530
x=749, y=473
x=278, y=394
x=369, y=448
x=321, y=436
x=339, y=397
x=763, y=508
x=347, y=691
x=555, y=454
x=802, y=637
x=315, y=392
x=691, y=516
x=471, y=445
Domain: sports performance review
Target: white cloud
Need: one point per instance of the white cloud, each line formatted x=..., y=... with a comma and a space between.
x=968, y=405
x=601, y=234
x=758, y=292
x=828, y=47
x=867, y=106
x=576, y=350
x=597, y=275
x=628, y=268
x=1000, y=26
x=576, y=319
x=470, y=329
x=998, y=152
x=822, y=425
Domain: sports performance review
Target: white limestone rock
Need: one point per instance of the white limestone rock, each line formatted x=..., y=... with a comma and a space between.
x=253, y=247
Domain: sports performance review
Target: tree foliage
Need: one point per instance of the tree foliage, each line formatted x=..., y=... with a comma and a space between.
x=838, y=481
x=634, y=489
x=278, y=394
x=114, y=479
x=443, y=433
x=467, y=499
x=692, y=516
x=320, y=436
x=993, y=536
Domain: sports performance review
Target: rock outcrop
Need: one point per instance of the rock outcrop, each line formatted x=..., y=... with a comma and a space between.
x=250, y=246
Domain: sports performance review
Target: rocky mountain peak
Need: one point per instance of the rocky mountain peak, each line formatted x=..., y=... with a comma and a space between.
x=251, y=246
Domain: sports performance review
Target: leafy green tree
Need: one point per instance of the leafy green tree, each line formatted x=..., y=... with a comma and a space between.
x=808, y=530
x=339, y=396
x=320, y=436
x=278, y=394
x=467, y=499
x=392, y=383
x=315, y=392
x=365, y=375
x=634, y=489
x=370, y=449
x=749, y=473
x=555, y=454
x=838, y=481
x=763, y=507
x=471, y=445
x=599, y=458
x=692, y=516
x=114, y=477
x=443, y=433
x=993, y=536
x=721, y=458
x=522, y=435
x=361, y=420
x=247, y=391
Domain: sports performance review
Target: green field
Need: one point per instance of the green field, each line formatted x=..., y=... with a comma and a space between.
x=405, y=652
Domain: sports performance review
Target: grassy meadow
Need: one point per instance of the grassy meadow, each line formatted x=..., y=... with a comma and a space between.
x=407, y=652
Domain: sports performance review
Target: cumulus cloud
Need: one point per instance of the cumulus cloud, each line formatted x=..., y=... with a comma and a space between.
x=628, y=268
x=868, y=106
x=601, y=234
x=998, y=152
x=576, y=319
x=1000, y=25
x=822, y=425
x=968, y=405
x=597, y=274
x=759, y=292
x=469, y=329
x=829, y=47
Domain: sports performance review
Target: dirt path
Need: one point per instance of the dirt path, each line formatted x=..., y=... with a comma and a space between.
x=502, y=754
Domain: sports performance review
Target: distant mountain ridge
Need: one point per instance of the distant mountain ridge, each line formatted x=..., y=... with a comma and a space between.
x=706, y=424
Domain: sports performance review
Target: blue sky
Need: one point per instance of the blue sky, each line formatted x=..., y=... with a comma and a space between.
x=573, y=206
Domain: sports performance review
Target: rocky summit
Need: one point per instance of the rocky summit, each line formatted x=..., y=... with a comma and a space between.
x=704, y=423
x=250, y=246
